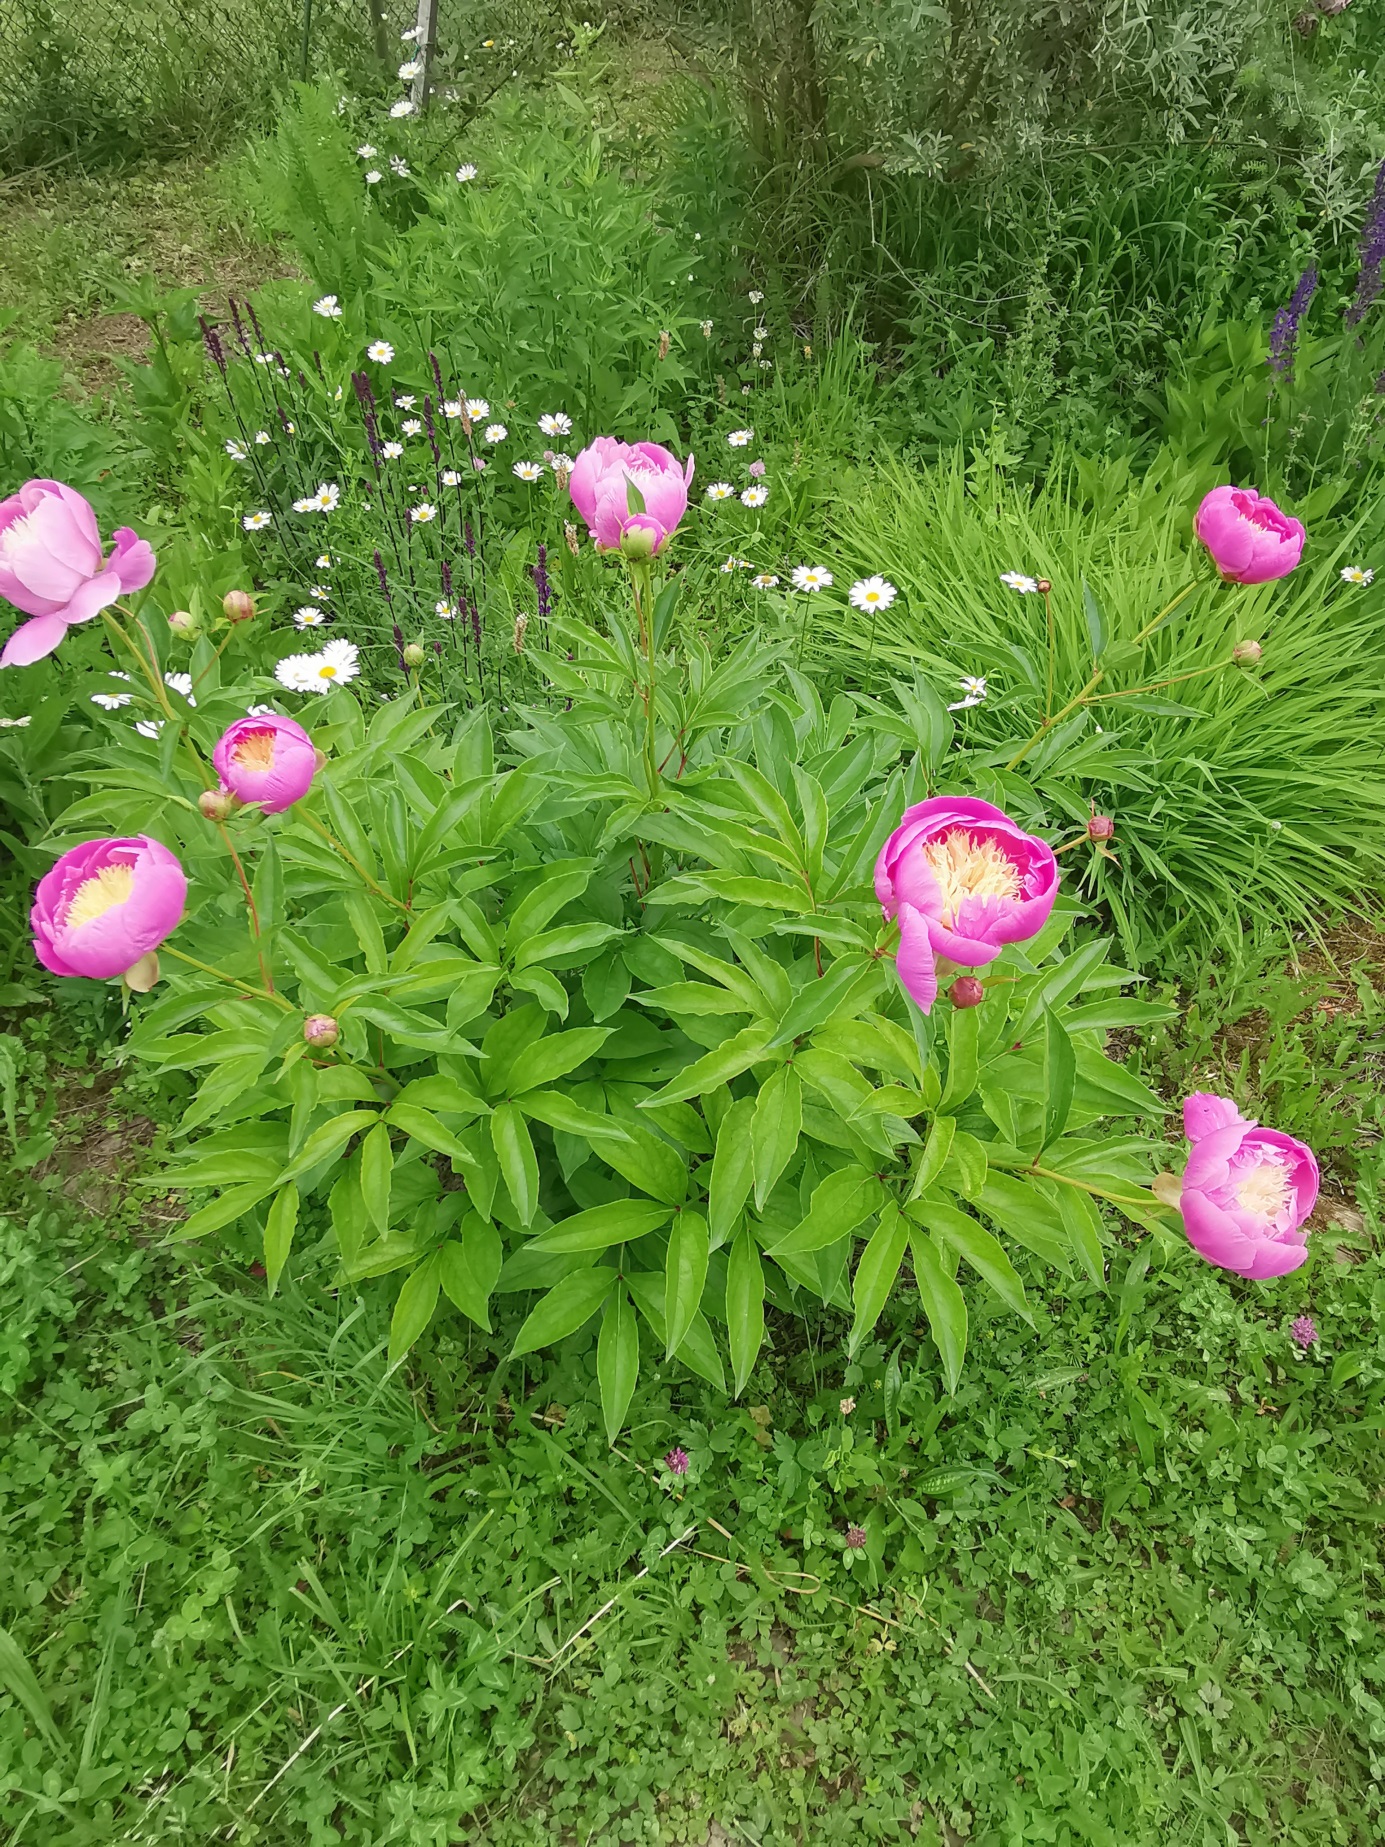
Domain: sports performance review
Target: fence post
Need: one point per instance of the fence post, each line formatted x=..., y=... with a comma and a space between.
x=423, y=50
x=377, y=26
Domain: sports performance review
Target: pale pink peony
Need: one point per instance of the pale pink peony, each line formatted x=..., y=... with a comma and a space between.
x=105, y=905
x=964, y=881
x=268, y=760
x=602, y=475
x=1246, y=1190
x=1250, y=540
x=51, y=566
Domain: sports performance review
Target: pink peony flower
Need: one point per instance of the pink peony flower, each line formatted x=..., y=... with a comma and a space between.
x=963, y=880
x=601, y=476
x=268, y=760
x=51, y=566
x=1246, y=1190
x=105, y=905
x=1250, y=540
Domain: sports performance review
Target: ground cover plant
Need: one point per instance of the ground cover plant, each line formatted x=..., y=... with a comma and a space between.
x=691, y=1123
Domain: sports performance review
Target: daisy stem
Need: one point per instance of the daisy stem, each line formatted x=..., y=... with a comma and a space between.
x=1052, y=651
x=250, y=906
x=304, y=815
x=246, y=987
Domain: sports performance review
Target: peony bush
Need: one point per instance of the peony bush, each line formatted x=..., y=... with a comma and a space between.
x=666, y=999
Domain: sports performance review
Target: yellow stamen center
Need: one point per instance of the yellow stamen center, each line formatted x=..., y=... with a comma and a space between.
x=1266, y=1189
x=95, y=896
x=969, y=868
x=327, y=673
x=255, y=753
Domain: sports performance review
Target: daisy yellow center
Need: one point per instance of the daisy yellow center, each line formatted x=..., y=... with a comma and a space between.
x=969, y=868
x=327, y=672
x=95, y=896
x=255, y=753
x=1266, y=1189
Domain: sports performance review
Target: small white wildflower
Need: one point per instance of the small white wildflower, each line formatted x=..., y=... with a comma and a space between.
x=411, y=426
x=739, y=439
x=811, y=577
x=706, y=330
x=237, y=451
x=181, y=683
x=327, y=497
x=477, y=408
x=496, y=432
x=321, y=592
x=555, y=423
x=380, y=351
x=403, y=107
x=760, y=333
x=1354, y=574
x=756, y=297
x=423, y=513
x=16, y=724
x=308, y=617
x=307, y=505
x=399, y=166
x=410, y=35
x=254, y=522
x=974, y=688
x=452, y=408
x=527, y=471
x=266, y=359
x=405, y=400
x=391, y=451
x=450, y=478
x=466, y=172
x=366, y=151
x=374, y=177
x=111, y=702
x=754, y=496
x=719, y=490
x=324, y=561
x=1016, y=580
x=149, y=727
x=410, y=70
x=448, y=611
x=262, y=437
x=765, y=580
x=328, y=307
x=872, y=593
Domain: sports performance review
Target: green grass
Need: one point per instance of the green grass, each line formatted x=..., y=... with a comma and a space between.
x=1121, y=1589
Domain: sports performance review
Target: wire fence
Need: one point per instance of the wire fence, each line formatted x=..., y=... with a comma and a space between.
x=87, y=78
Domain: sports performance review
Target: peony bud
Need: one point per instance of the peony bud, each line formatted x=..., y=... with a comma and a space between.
x=966, y=991
x=183, y=622
x=1042, y=585
x=1101, y=827
x=1246, y=653
x=321, y=1031
x=238, y=605
x=215, y=804
x=638, y=542
x=413, y=655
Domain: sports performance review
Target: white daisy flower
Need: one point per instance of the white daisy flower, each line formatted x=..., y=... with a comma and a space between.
x=527, y=471
x=374, y=177
x=289, y=428
x=811, y=577
x=1016, y=580
x=307, y=505
x=399, y=166
x=262, y=437
x=410, y=70
x=321, y=592
x=297, y=672
x=16, y=724
x=754, y=496
x=423, y=513
x=450, y=478
x=327, y=497
x=265, y=359
x=738, y=439
x=411, y=426
x=366, y=151
x=404, y=400
x=466, y=172
x=452, y=408
x=253, y=522
x=392, y=451
x=181, y=683
x=760, y=333
x=403, y=107
x=706, y=330
x=477, y=408
x=448, y=611
x=237, y=451
x=556, y=423
x=719, y=490
x=111, y=702
x=328, y=307
x=974, y=688
x=258, y=711
x=338, y=662
x=496, y=432
x=149, y=727
x=735, y=564
x=324, y=561
x=1354, y=574
x=410, y=35
x=756, y=297
x=381, y=352
x=872, y=593
x=765, y=580
x=308, y=617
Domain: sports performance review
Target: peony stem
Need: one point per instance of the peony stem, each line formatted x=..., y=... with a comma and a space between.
x=1167, y=611
x=642, y=588
x=1057, y=719
x=303, y=814
x=250, y=906
x=1174, y=679
x=220, y=650
x=166, y=949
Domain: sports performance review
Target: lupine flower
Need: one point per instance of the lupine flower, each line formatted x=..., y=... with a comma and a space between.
x=1354, y=574
x=973, y=692
x=719, y=490
x=527, y=471
x=1303, y=1331
x=328, y=307
x=810, y=577
x=52, y=568
x=1372, y=247
x=872, y=593
x=601, y=477
x=754, y=496
x=496, y=433
x=963, y=881
x=381, y=352
x=106, y=906
x=1249, y=539
x=466, y=172
x=740, y=439
x=1016, y=580
x=677, y=1462
x=269, y=762
x=1284, y=332
x=1246, y=1191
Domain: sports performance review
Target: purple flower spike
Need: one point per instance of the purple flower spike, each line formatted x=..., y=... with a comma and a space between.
x=1372, y=247
x=1304, y=1332
x=677, y=1462
x=1284, y=333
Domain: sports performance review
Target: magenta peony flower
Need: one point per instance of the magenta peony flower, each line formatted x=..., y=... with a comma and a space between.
x=1246, y=1190
x=601, y=476
x=268, y=760
x=51, y=566
x=105, y=905
x=963, y=881
x=1250, y=540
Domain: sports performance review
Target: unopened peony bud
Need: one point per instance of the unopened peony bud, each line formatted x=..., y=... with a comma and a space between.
x=966, y=991
x=1246, y=653
x=238, y=605
x=183, y=622
x=413, y=655
x=638, y=543
x=321, y=1031
x=1101, y=827
x=215, y=805
x=1042, y=585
